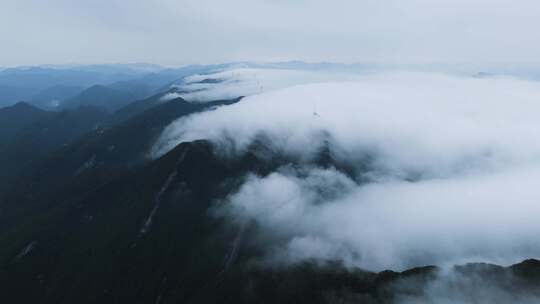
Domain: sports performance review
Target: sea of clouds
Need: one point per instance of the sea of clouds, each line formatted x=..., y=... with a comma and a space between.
x=446, y=167
x=246, y=81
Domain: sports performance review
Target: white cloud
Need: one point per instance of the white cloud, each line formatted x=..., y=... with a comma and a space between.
x=236, y=82
x=396, y=225
x=170, y=96
x=429, y=123
x=470, y=145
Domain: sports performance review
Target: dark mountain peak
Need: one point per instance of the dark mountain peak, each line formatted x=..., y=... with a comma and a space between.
x=21, y=106
x=96, y=91
x=98, y=95
x=97, y=88
x=528, y=263
x=210, y=81
x=16, y=117
x=86, y=112
x=529, y=268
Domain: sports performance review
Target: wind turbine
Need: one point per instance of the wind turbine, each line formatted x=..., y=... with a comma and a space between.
x=315, y=111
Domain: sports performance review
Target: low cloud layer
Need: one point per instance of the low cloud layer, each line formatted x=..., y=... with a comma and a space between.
x=245, y=81
x=445, y=169
x=395, y=225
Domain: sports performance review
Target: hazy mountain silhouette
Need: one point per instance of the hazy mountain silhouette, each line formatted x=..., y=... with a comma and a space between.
x=16, y=117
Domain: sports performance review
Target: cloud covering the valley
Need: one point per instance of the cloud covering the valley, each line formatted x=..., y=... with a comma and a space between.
x=395, y=224
x=445, y=168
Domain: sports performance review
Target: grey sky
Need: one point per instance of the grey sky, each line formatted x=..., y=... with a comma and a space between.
x=201, y=31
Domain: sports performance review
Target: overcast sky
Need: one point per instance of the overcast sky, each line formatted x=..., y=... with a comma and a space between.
x=174, y=32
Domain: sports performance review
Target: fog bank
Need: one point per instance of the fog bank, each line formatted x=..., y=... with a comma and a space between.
x=445, y=168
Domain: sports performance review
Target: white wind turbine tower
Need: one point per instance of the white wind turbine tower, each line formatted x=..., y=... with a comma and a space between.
x=258, y=83
x=315, y=113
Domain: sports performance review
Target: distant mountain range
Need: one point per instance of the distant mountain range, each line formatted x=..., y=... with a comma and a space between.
x=16, y=117
x=47, y=85
x=50, y=87
x=101, y=96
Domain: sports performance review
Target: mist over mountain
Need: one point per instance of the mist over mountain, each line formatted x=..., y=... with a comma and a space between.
x=275, y=182
x=256, y=151
x=107, y=86
x=452, y=134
